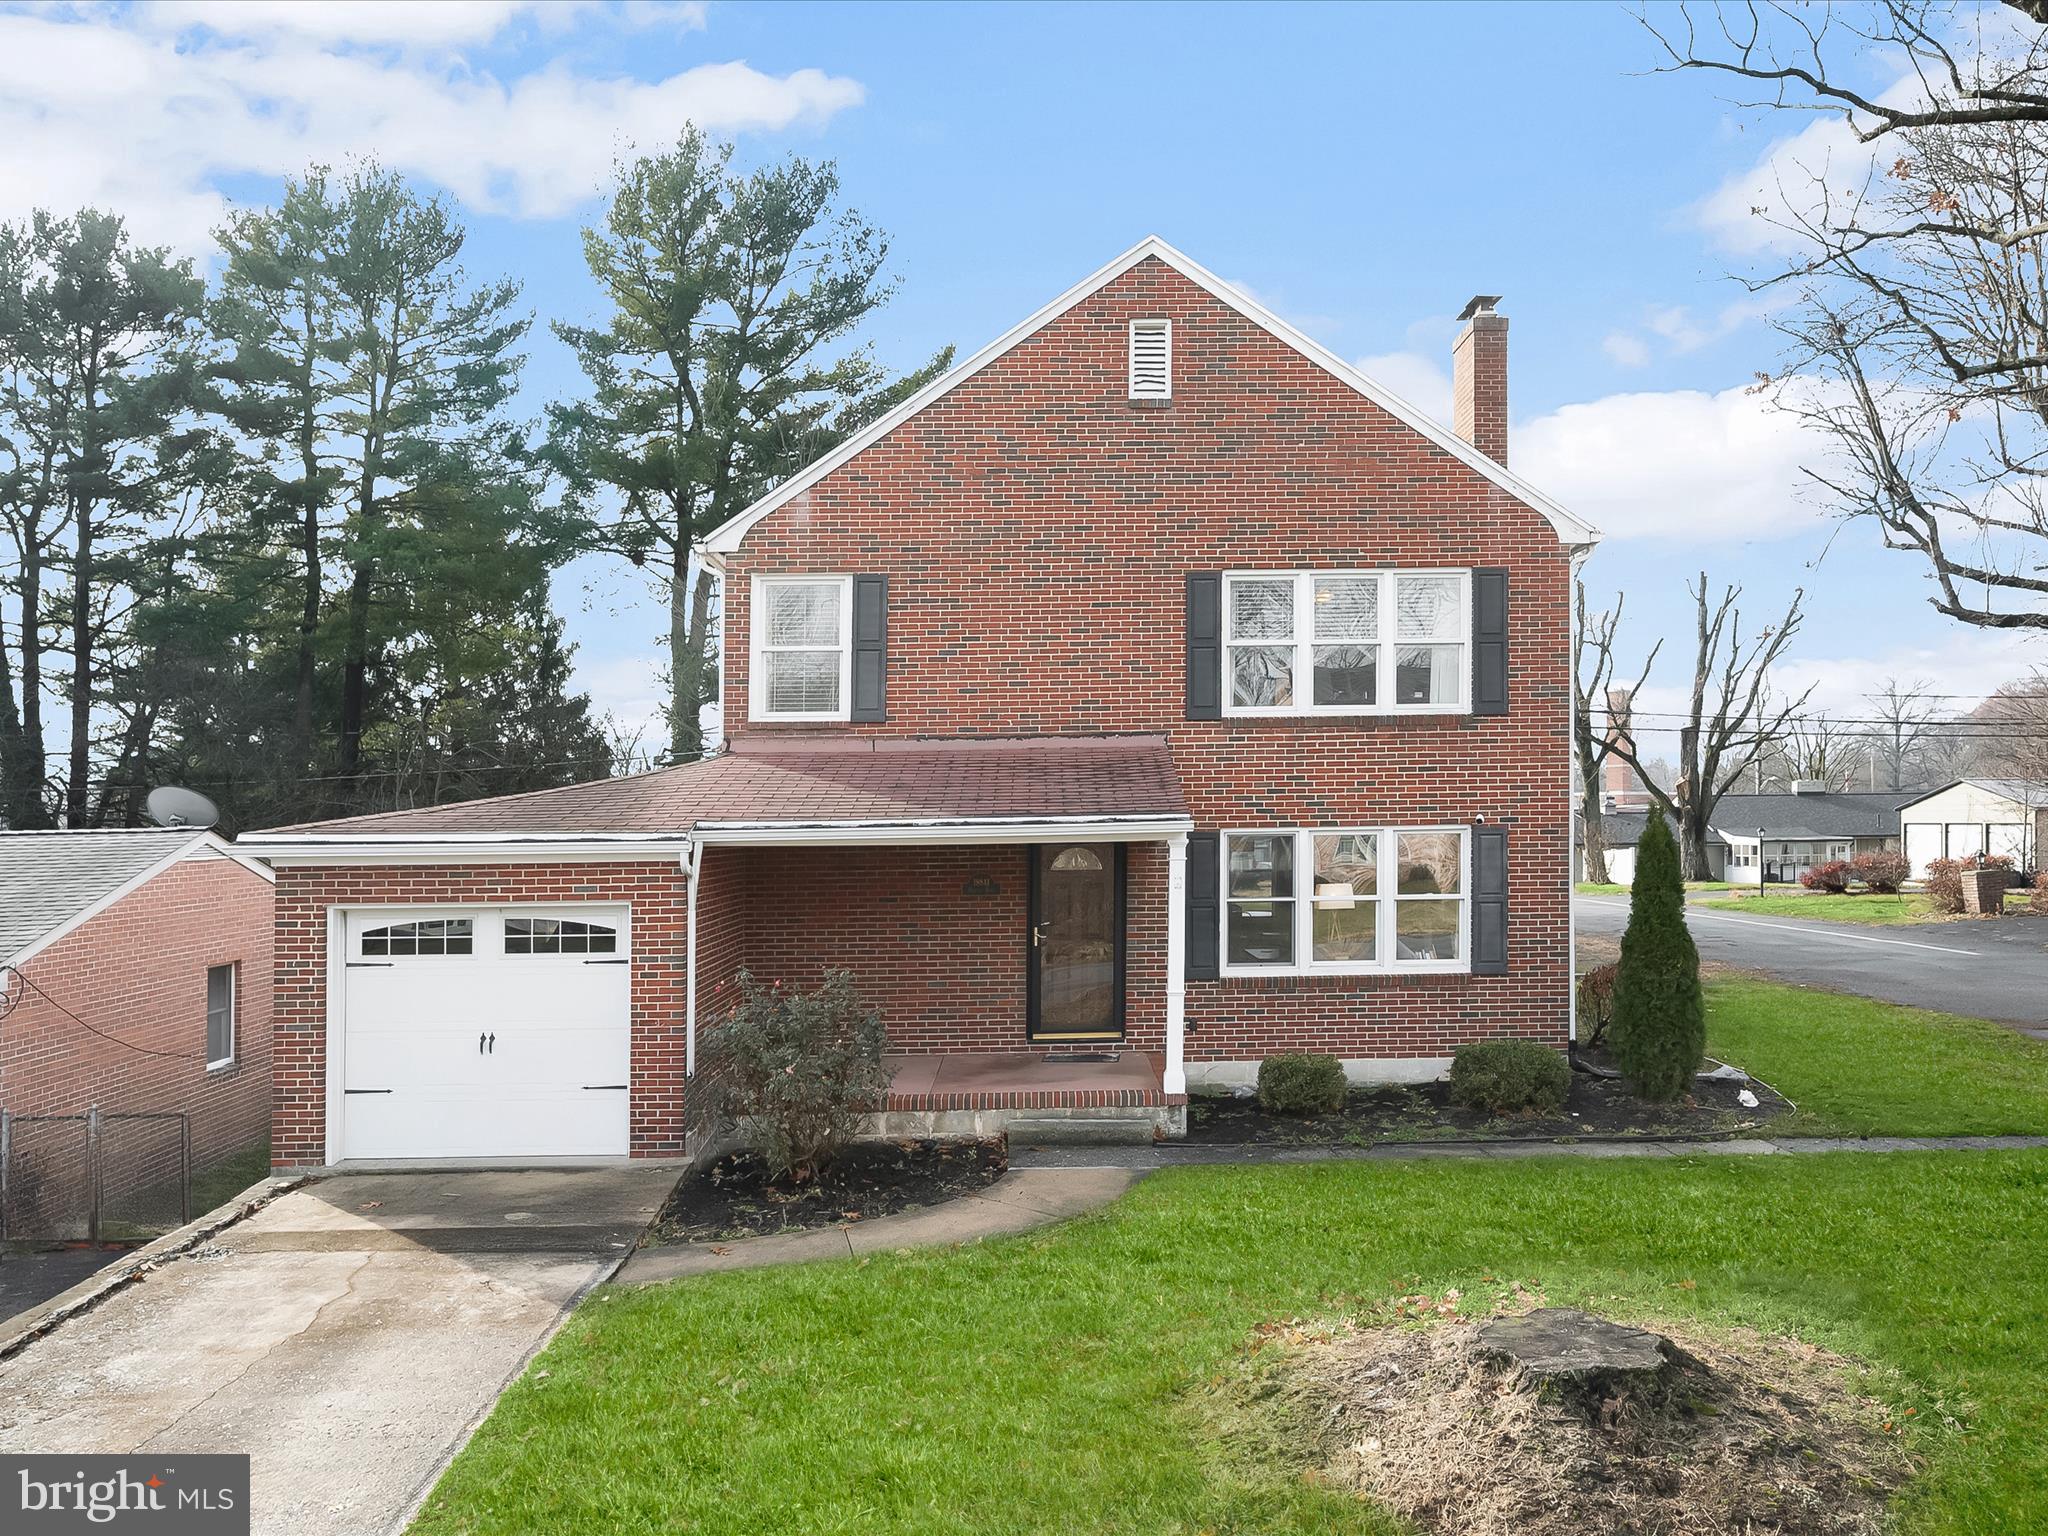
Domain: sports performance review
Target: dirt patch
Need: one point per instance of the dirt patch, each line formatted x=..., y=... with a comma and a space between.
x=1595, y=1106
x=734, y=1197
x=1742, y=1434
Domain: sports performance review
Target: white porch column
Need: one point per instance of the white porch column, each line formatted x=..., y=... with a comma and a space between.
x=693, y=861
x=1176, y=960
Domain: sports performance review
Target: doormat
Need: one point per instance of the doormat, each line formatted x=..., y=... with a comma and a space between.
x=1084, y=1056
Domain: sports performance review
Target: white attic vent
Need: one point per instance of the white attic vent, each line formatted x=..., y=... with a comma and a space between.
x=1151, y=359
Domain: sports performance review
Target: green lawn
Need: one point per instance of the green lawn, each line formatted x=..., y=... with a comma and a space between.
x=1055, y=1383
x=1839, y=909
x=1861, y=1068
x=217, y=1185
x=1595, y=888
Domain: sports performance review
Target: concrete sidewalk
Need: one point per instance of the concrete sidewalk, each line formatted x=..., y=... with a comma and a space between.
x=1169, y=1155
x=1016, y=1202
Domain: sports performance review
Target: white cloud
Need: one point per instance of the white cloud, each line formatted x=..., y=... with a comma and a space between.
x=1625, y=350
x=1967, y=663
x=146, y=121
x=1419, y=380
x=1682, y=464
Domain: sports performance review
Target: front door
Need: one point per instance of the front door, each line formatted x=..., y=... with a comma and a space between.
x=1076, y=976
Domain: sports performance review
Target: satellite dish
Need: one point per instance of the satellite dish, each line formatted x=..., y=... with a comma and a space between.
x=170, y=806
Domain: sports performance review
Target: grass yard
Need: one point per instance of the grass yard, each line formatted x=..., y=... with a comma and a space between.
x=1861, y=1068
x=1056, y=1382
x=217, y=1185
x=1595, y=888
x=1880, y=910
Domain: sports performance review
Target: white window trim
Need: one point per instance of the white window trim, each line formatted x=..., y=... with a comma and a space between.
x=1386, y=644
x=217, y=1064
x=1165, y=328
x=486, y=930
x=1304, y=904
x=757, y=671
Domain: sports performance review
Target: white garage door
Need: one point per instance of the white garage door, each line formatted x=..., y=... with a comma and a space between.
x=486, y=1032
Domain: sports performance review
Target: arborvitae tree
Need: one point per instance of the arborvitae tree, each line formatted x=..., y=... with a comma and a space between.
x=1660, y=1018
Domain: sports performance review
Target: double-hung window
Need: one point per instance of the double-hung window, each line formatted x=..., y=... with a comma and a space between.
x=1346, y=900
x=802, y=633
x=220, y=1016
x=1347, y=642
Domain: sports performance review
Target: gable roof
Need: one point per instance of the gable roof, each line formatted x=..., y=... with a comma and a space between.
x=1571, y=528
x=2022, y=792
x=1624, y=829
x=1852, y=813
x=792, y=785
x=51, y=882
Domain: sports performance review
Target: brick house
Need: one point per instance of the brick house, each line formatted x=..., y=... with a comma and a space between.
x=135, y=977
x=1152, y=688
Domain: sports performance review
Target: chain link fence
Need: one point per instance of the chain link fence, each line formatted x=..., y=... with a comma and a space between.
x=95, y=1177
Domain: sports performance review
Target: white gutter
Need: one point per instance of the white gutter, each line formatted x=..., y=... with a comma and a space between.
x=1111, y=829
x=693, y=861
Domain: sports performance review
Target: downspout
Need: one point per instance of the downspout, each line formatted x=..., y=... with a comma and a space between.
x=693, y=861
x=1571, y=851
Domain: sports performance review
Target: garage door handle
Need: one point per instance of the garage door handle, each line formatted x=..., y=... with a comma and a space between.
x=481, y=1037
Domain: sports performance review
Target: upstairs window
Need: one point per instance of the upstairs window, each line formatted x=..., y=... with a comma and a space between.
x=1151, y=359
x=1347, y=642
x=802, y=648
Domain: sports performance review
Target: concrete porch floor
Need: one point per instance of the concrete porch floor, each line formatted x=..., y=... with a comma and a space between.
x=975, y=1080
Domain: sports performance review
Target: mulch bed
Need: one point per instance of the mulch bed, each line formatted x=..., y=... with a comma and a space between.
x=734, y=1197
x=1743, y=1434
x=1595, y=1107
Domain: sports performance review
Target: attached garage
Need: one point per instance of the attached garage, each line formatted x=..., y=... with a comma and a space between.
x=482, y=1032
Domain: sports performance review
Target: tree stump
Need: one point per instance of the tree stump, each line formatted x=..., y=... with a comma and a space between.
x=1574, y=1358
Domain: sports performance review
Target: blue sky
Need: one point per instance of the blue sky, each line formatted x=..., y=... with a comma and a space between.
x=1362, y=170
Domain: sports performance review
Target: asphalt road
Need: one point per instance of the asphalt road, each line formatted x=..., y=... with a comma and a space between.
x=1987, y=970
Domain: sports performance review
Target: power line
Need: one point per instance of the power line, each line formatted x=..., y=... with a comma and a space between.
x=27, y=981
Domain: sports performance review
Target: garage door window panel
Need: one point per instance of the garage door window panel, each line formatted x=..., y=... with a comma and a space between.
x=559, y=936
x=420, y=940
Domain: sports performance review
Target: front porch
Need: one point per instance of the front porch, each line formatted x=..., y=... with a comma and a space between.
x=1109, y=1095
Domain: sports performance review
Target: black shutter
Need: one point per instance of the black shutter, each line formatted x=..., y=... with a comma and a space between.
x=1205, y=648
x=1490, y=642
x=1204, y=916
x=1489, y=901
x=870, y=648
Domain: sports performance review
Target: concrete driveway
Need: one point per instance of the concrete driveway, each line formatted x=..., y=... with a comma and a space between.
x=349, y=1336
x=1989, y=969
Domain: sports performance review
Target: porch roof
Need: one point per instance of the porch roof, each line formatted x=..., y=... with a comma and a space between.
x=810, y=788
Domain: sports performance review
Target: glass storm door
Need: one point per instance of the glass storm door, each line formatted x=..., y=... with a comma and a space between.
x=1076, y=979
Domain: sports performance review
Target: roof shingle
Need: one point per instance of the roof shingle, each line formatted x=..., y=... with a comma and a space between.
x=862, y=779
x=48, y=878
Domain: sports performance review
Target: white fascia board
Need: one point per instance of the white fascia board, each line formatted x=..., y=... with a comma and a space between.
x=212, y=847
x=1571, y=528
x=957, y=830
x=466, y=848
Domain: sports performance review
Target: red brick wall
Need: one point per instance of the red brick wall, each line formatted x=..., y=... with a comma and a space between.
x=304, y=895
x=138, y=972
x=1036, y=529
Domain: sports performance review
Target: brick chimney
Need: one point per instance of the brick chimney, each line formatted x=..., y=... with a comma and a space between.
x=1479, y=378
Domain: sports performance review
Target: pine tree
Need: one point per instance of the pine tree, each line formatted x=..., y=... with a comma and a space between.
x=1660, y=1017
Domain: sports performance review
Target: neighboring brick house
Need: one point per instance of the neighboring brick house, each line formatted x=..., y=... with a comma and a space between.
x=135, y=978
x=1152, y=684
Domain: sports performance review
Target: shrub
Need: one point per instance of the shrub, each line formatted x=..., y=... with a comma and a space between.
x=798, y=1070
x=1660, y=1016
x=2038, y=902
x=1501, y=1076
x=1301, y=1083
x=1833, y=877
x=1882, y=871
x=1945, y=878
x=1596, y=1004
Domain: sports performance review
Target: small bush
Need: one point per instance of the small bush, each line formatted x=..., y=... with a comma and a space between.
x=1596, y=1003
x=1882, y=871
x=798, y=1070
x=1301, y=1083
x=2038, y=902
x=1502, y=1076
x=1832, y=877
